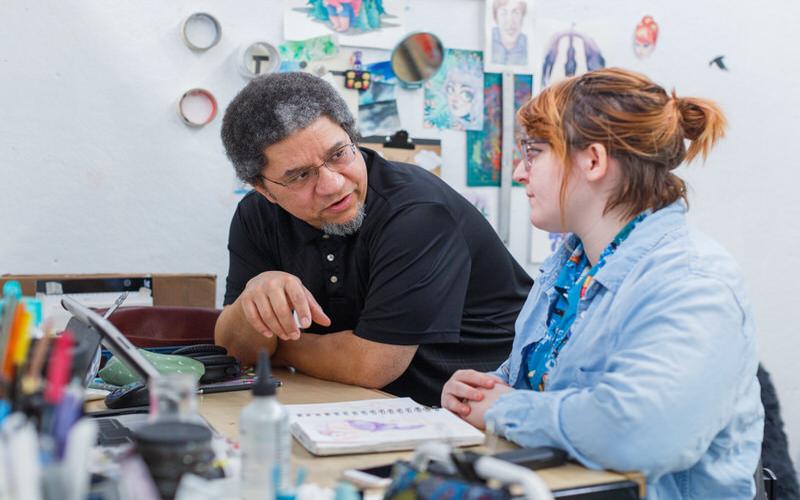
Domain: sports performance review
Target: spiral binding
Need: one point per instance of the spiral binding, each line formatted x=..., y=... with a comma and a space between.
x=362, y=413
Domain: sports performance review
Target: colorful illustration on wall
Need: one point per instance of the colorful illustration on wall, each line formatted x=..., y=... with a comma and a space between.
x=377, y=106
x=311, y=49
x=508, y=35
x=570, y=53
x=454, y=96
x=483, y=147
x=379, y=117
x=382, y=72
x=364, y=23
x=645, y=37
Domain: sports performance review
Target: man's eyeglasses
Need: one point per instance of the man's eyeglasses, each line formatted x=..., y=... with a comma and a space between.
x=336, y=162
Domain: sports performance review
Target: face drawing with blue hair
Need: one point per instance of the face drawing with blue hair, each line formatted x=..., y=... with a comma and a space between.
x=461, y=90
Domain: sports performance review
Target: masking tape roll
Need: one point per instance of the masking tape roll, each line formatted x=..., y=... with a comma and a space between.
x=197, y=107
x=201, y=31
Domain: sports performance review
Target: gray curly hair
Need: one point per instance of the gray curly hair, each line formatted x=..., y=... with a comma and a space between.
x=272, y=107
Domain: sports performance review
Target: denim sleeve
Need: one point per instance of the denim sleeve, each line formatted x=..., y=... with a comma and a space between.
x=502, y=371
x=668, y=384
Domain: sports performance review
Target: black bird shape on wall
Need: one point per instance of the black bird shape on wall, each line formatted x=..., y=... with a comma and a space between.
x=719, y=62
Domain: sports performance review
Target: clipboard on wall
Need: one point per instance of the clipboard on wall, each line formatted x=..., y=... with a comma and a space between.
x=426, y=153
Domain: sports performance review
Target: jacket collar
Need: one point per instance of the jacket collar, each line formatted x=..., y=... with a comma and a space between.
x=646, y=236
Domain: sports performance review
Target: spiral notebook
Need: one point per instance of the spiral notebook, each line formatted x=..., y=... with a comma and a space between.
x=376, y=425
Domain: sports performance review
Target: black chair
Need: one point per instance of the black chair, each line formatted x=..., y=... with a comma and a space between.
x=779, y=476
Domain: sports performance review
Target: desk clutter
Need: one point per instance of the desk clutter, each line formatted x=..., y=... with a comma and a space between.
x=153, y=443
x=50, y=449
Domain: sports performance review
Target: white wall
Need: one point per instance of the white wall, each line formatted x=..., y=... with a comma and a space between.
x=98, y=173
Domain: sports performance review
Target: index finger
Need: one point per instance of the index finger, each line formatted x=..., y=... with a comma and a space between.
x=477, y=379
x=306, y=306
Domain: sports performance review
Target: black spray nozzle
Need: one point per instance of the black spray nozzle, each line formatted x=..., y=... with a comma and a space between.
x=264, y=385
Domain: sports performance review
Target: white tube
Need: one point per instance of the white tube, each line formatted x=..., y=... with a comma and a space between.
x=506, y=472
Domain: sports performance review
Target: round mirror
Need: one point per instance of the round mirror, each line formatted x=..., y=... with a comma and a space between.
x=417, y=58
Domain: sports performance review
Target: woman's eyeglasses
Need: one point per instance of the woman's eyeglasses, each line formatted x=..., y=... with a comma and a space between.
x=530, y=149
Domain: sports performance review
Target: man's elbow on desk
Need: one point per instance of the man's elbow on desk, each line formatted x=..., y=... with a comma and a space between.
x=347, y=358
x=240, y=340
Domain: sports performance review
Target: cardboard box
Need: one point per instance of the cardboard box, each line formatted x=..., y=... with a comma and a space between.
x=191, y=290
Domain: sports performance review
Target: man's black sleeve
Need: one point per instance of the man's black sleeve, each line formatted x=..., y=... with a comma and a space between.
x=246, y=259
x=419, y=271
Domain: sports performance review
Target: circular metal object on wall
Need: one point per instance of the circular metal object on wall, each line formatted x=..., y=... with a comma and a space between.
x=201, y=31
x=197, y=107
x=259, y=58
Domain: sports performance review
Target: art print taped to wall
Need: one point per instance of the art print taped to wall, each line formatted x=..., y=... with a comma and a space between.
x=312, y=49
x=645, y=37
x=508, y=36
x=454, y=96
x=377, y=106
x=362, y=23
x=566, y=50
x=484, y=147
x=382, y=72
x=378, y=117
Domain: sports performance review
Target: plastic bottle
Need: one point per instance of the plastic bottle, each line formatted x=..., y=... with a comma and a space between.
x=264, y=439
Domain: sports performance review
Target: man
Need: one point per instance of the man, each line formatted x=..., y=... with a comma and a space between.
x=351, y=268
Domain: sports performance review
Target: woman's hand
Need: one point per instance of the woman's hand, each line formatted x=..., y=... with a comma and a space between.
x=464, y=387
x=478, y=408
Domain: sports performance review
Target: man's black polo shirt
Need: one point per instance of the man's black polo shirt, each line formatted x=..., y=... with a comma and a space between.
x=426, y=269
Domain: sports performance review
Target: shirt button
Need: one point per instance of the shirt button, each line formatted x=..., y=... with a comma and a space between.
x=330, y=257
x=325, y=236
x=334, y=279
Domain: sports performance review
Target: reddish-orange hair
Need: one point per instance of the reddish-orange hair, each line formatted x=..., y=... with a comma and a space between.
x=640, y=125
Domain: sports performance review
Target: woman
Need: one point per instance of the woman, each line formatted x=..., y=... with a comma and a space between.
x=636, y=347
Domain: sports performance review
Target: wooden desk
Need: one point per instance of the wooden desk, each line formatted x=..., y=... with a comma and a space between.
x=222, y=411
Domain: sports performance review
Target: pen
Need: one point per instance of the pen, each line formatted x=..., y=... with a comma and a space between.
x=115, y=305
x=15, y=335
x=59, y=368
x=33, y=379
x=11, y=295
x=242, y=386
x=66, y=413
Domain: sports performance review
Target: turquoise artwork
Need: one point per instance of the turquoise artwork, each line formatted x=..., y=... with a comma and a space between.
x=453, y=97
x=483, y=146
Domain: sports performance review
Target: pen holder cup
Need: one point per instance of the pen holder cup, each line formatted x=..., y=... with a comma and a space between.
x=171, y=449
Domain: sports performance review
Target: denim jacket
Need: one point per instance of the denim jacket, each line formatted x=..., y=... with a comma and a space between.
x=659, y=375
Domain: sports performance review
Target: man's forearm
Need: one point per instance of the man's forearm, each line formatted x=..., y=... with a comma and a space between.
x=344, y=357
x=235, y=334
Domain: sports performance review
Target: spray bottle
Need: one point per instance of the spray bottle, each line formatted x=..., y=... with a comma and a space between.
x=264, y=439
